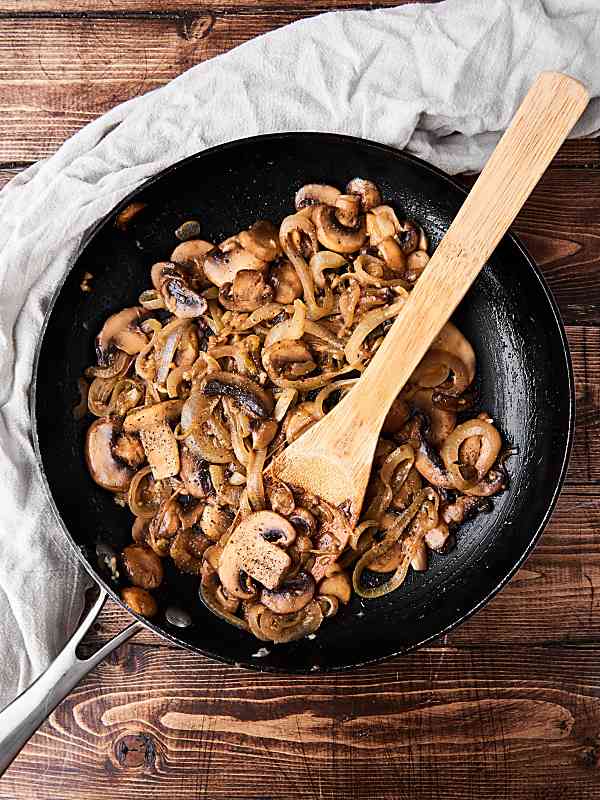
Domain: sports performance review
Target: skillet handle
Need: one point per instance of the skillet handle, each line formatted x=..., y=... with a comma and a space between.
x=20, y=720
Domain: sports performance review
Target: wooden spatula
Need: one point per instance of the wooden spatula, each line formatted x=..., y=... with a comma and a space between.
x=332, y=459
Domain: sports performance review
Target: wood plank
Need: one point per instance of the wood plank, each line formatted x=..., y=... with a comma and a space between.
x=58, y=73
x=555, y=597
x=181, y=7
x=519, y=723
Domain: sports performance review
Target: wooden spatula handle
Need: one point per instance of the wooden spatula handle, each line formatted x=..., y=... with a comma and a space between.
x=548, y=113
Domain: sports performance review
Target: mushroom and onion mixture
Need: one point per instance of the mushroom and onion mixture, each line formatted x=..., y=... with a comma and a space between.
x=236, y=350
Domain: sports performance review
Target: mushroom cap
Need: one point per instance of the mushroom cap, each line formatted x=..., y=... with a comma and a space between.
x=143, y=567
x=248, y=291
x=262, y=240
x=313, y=194
x=293, y=594
x=255, y=549
x=191, y=254
x=220, y=266
x=163, y=270
x=348, y=208
x=121, y=331
x=368, y=192
x=286, y=283
x=333, y=235
x=382, y=223
x=105, y=468
x=194, y=473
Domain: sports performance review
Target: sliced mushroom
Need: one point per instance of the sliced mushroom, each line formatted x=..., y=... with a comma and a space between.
x=333, y=235
x=347, y=209
x=452, y=340
x=246, y=394
x=181, y=300
x=143, y=567
x=194, y=473
x=442, y=423
x=128, y=448
x=382, y=223
x=463, y=508
x=293, y=594
x=221, y=265
x=286, y=283
x=139, y=530
x=106, y=469
x=437, y=538
x=415, y=264
x=163, y=270
x=187, y=549
x=262, y=240
x=158, y=440
x=369, y=194
x=408, y=236
x=280, y=498
x=393, y=255
x=337, y=585
x=247, y=292
x=191, y=255
x=255, y=549
x=163, y=527
x=215, y=521
x=303, y=519
x=316, y=194
x=121, y=331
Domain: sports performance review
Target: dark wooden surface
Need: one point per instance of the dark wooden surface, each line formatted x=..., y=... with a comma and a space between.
x=508, y=706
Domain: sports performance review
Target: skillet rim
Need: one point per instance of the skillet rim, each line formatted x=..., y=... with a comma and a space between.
x=390, y=152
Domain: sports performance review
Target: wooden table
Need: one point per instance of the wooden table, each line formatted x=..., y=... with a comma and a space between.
x=508, y=706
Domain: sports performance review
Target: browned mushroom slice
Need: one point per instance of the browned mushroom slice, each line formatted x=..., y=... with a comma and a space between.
x=436, y=539
x=246, y=394
x=333, y=235
x=247, y=292
x=262, y=240
x=452, y=341
x=221, y=266
x=415, y=264
x=163, y=270
x=442, y=422
x=337, y=585
x=391, y=252
x=160, y=444
x=369, y=194
x=191, y=255
x=181, y=300
x=382, y=223
x=286, y=283
x=121, y=331
x=408, y=236
x=293, y=594
x=187, y=549
x=195, y=474
x=313, y=194
x=255, y=549
x=105, y=467
x=215, y=521
x=143, y=567
x=347, y=209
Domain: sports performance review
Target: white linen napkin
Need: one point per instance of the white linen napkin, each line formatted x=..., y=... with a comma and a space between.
x=441, y=81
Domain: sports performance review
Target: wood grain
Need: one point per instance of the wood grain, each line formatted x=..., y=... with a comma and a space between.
x=518, y=722
x=180, y=7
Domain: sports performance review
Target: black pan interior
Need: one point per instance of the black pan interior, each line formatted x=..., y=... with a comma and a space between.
x=509, y=316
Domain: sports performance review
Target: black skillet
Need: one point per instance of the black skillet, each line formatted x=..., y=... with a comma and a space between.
x=509, y=316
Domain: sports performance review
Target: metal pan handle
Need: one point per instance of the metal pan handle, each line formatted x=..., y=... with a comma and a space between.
x=20, y=720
